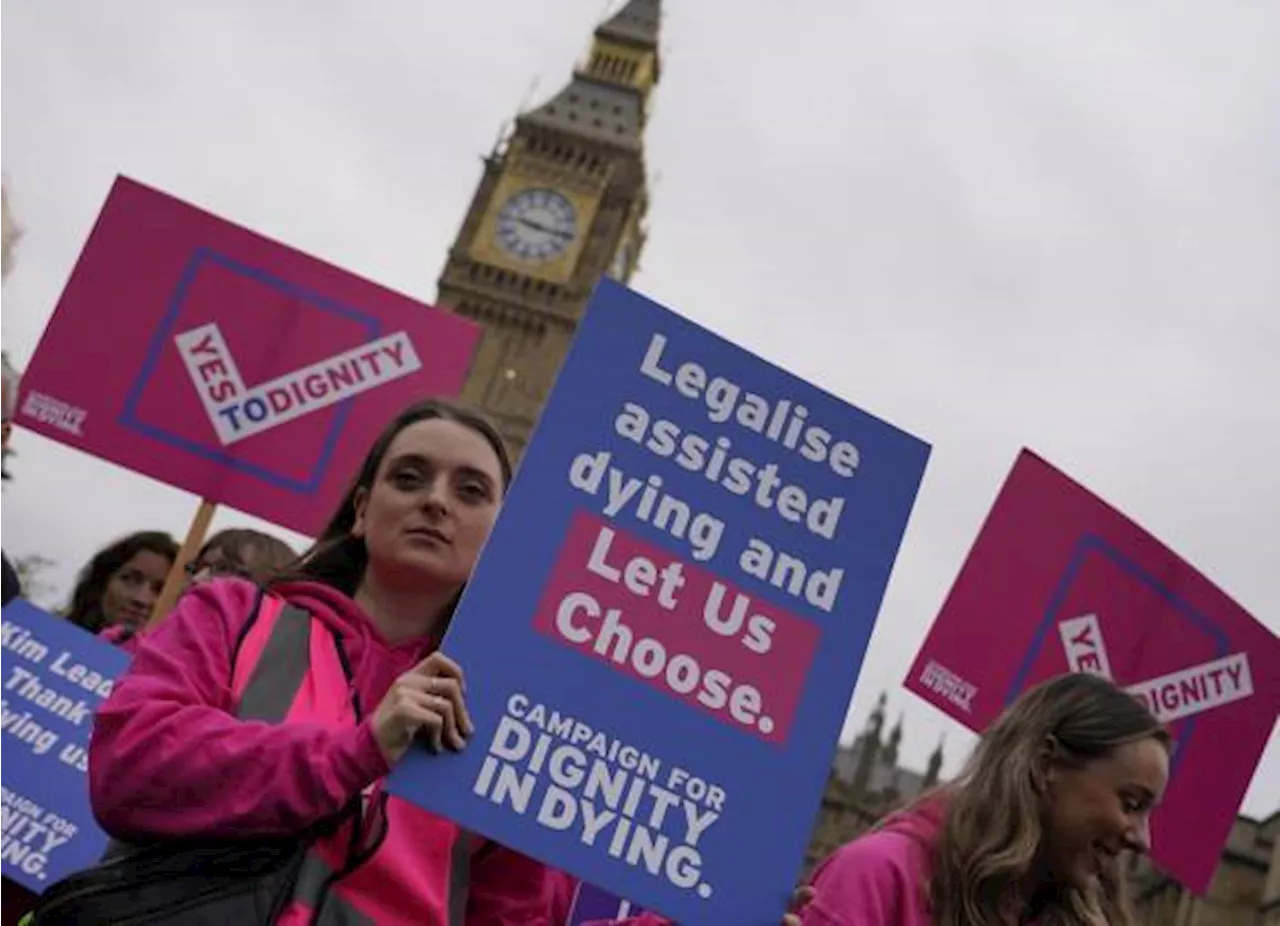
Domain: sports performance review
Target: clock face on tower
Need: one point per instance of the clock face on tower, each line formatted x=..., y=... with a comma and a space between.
x=536, y=224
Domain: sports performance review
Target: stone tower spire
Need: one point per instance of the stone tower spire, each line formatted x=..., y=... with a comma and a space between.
x=895, y=742
x=934, y=771
x=607, y=99
x=561, y=203
x=869, y=748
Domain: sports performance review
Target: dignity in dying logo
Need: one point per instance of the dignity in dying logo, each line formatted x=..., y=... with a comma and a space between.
x=1169, y=697
x=238, y=410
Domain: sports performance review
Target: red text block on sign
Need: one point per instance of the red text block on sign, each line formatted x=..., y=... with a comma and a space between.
x=679, y=628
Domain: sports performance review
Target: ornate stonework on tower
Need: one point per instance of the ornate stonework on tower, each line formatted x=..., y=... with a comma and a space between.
x=561, y=202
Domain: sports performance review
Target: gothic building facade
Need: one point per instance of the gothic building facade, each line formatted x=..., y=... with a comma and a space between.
x=1245, y=890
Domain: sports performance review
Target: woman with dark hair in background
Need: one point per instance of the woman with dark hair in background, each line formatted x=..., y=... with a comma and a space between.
x=122, y=582
x=1033, y=831
x=236, y=551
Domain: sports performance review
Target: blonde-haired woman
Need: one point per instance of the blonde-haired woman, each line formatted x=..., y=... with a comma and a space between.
x=1061, y=785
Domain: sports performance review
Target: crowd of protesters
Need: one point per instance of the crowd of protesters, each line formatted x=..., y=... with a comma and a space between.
x=186, y=751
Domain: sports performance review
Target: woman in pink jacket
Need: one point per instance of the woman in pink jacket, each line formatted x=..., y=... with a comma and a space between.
x=251, y=716
x=1061, y=784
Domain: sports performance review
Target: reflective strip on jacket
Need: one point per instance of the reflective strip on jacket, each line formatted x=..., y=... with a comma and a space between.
x=289, y=669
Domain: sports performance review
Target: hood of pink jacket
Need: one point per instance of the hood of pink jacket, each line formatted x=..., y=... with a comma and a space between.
x=921, y=822
x=375, y=663
x=881, y=878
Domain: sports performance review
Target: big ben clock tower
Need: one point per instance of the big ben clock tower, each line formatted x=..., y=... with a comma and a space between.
x=562, y=202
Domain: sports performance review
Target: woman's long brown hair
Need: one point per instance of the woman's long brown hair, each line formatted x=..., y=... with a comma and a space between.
x=992, y=833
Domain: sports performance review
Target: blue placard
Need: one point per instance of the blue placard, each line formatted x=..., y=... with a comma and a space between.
x=592, y=905
x=664, y=632
x=55, y=676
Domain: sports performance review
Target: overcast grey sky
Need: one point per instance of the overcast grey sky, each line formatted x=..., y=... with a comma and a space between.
x=1053, y=225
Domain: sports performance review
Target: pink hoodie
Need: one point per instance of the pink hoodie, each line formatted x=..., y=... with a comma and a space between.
x=167, y=758
x=880, y=879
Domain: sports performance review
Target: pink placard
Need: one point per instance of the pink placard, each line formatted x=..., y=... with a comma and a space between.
x=211, y=358
x=1060, y=581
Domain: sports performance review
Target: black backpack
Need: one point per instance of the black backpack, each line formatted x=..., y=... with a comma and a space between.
x=200, y=885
